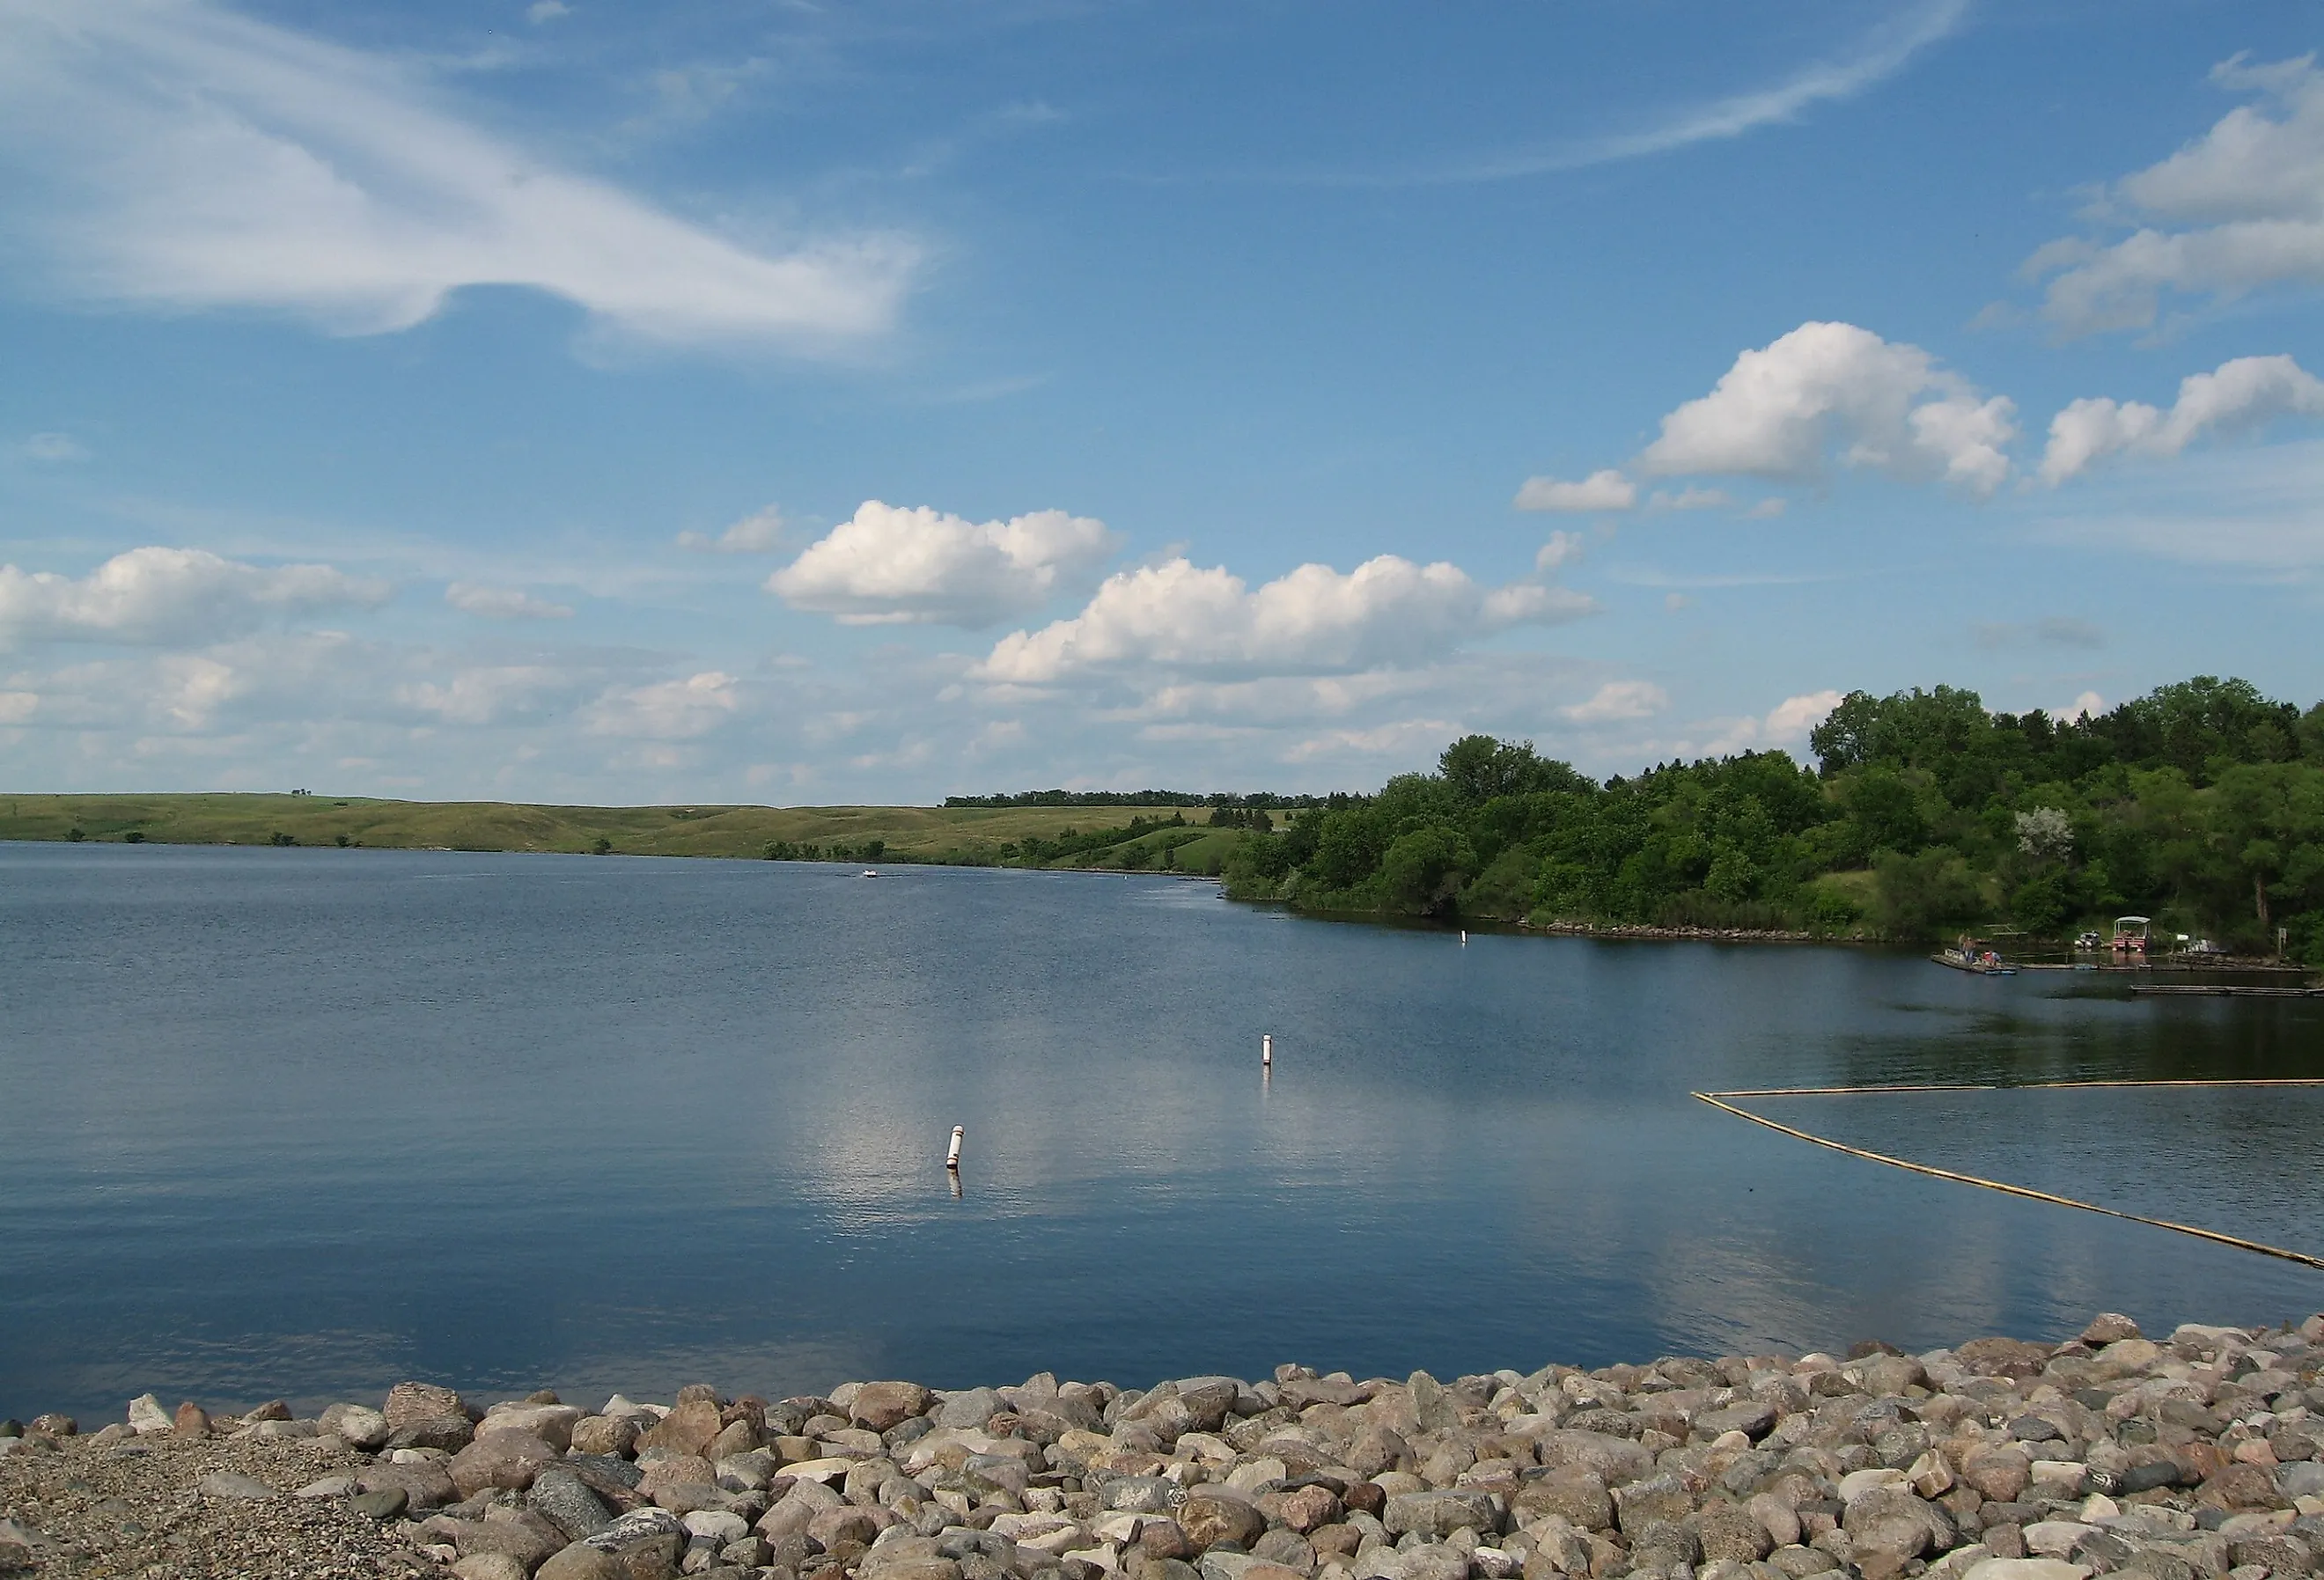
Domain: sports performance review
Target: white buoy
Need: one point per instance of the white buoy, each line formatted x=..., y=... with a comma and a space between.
x=1465, y=938
x=1267, y=1051
x=952, y=1157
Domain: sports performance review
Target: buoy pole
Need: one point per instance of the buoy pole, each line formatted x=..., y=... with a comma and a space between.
x=952, y=1156
x=1267, y=1051
x=1465, y=938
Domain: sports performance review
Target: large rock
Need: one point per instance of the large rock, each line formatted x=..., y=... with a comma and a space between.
x=2054, y=1539
x=425, y=1483
x=908, y=1566
x=1138, y=1494
x=1777, y=1518
x=2000, y=1474
x=578, y=1562
x=1731, y=1532
x=1664, y=1544
x=1753, y=1419
x=1888, y=1375
x=605, y=1435
x=719, y=1527
x=1658, y=1499
x=384, y=1504
x=2026, y=1570
x=1438, y=1513
x=507, y=1460
x=1208, y=1400
x=528, y=1542
x=1212, y=1514
x=2240, y=1486
x=146, y=1416
x=796, y=1510
x=560, y=1497
x=735, y=1439
x=1301, y=1509
x=879, y=1406
x=450, y=1433
x=2002, y=1357
x=844, y=1523
x=2279, y=1552
x=661, y=1468
x=970, y=1408
x=1613, y=1460
x=691, y=1426
x=1575, y=1495
x=1378, y=1449
x=636, y=1529
x=1890, y=1527
x=490, y=1566
x=420, y=1402
x=552, y=1423
x=357, y=1425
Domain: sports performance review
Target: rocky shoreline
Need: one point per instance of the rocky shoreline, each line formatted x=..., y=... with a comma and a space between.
x=2197, y=1455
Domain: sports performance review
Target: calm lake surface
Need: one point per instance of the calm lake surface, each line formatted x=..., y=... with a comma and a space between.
x=305, y=1122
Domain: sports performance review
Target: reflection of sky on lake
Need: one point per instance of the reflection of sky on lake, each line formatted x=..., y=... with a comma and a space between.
x=302, y=1121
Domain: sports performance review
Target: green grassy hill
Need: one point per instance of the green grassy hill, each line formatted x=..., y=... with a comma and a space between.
x=929, y=834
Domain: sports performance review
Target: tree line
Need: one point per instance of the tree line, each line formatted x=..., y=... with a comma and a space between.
x=1252, y=799
x=2200, y=805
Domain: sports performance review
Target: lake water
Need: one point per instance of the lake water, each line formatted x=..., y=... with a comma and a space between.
x=305, y=1122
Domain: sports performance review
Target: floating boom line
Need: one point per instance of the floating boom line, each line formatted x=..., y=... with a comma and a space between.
x=1718, y=1100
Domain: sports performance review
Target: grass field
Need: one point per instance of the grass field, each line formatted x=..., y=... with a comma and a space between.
x=931, y=833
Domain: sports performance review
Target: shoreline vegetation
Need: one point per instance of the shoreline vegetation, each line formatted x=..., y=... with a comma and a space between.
x=2201, y=806
x=2195, y=1456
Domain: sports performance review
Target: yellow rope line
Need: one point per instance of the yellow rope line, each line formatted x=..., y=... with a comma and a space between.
x=2013, y=1086
x=1714, y=1099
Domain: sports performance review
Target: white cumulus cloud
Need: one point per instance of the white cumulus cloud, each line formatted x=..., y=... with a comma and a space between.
x=888, y=565
x=167, y=596
x=1602, y=490
x=486, y=694
x=502, y=602
x=1562, y=550
x=2239, y=395
x=1619, y=700
x=1387, y=611
x=172, y=153
x=2236, y=209
x=1786, y=410
x=763, y=531
x=667, y=710
x=1791, y=719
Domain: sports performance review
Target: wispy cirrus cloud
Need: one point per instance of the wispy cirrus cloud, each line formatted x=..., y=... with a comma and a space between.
x=1882, y=52
x=173, y=154
x=1879, y=53
x=493, y=602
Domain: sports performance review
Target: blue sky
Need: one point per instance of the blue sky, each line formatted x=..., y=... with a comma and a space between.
x=803, y=404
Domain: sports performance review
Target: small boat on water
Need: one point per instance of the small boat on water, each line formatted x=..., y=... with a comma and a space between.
x=870, y=871
x=1975, y=956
